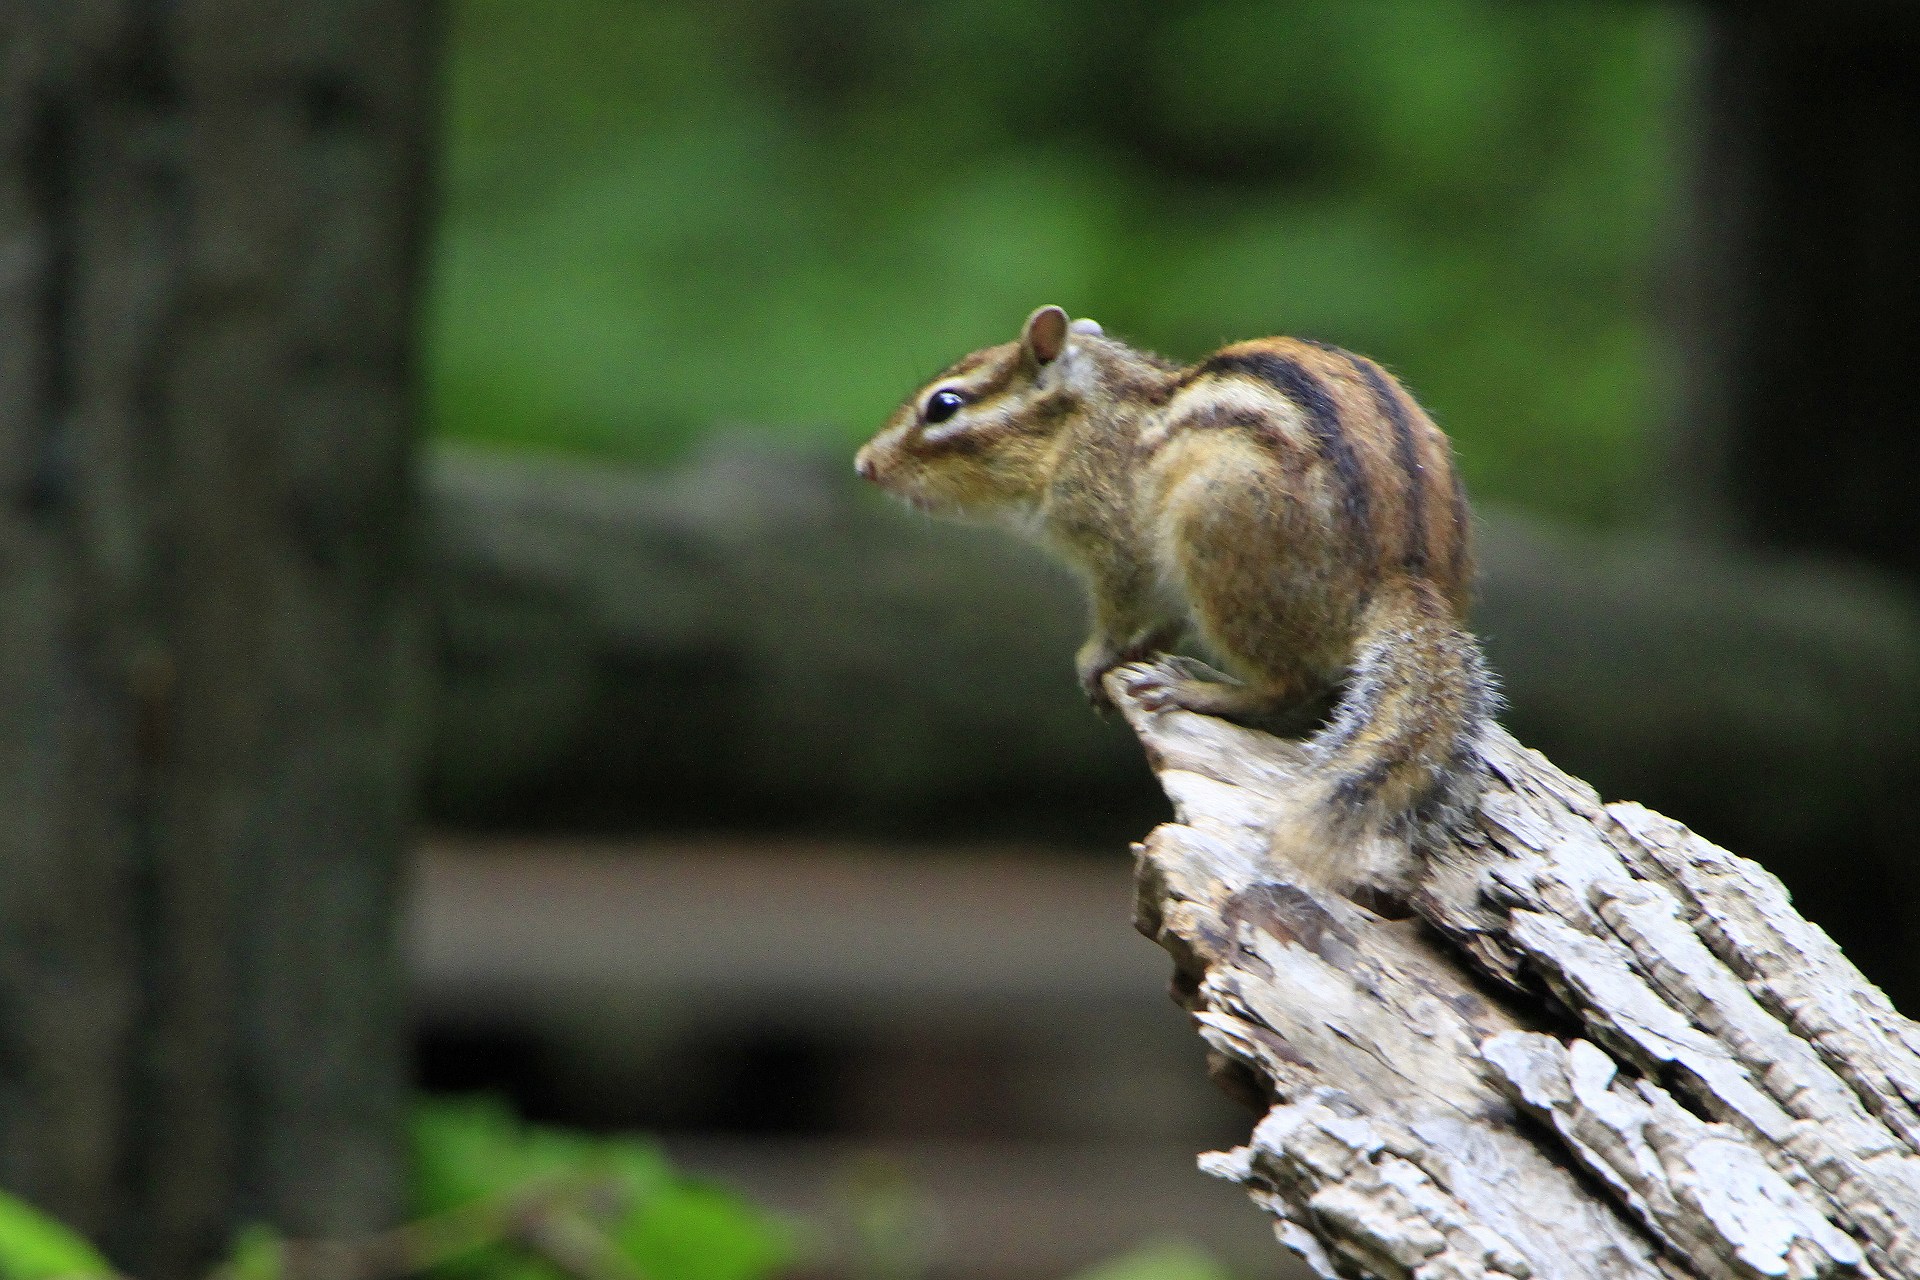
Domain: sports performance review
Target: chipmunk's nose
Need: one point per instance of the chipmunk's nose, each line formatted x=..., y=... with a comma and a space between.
x=863, y=464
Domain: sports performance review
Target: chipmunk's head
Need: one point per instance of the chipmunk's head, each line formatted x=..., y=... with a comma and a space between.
x=981, y=438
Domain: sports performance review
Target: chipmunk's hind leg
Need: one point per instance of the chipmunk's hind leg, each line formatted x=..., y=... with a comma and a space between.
x=1217, y=529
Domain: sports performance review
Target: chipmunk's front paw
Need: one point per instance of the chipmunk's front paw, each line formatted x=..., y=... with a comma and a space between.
x=1159, y=686
x=1173, y=685
x=1098, y=657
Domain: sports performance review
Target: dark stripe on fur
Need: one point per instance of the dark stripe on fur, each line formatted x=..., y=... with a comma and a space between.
x=1357, y=790
x=960, y=444
x=1213, y=417
x=997, y=382
x=1394, y=406
x=1359, y=703
x=1293, y=381
x=1039, y=419
x=965, y=364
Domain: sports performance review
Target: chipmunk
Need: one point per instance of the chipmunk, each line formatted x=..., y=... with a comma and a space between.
x=1285, y=500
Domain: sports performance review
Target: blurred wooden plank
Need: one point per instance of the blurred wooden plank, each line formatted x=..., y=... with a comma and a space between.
x=854, y=930
x=1015, y=954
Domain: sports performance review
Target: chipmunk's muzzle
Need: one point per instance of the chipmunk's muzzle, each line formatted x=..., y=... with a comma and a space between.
x=878, y=462
x=879, y=465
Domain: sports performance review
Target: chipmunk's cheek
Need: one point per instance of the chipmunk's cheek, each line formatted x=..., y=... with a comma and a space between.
x=897, y=482
x=930, y=497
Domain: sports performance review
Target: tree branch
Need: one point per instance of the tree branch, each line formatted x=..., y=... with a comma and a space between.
x=1602, y=1046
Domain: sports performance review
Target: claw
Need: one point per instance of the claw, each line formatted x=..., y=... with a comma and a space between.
x=1095, y=689
x=1159, y=699
x=1150, y=685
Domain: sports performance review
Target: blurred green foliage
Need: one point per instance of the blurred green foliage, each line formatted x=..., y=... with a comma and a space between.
x=625, y=1199
x=494, y=1199
x=1163, y=1260
x=659, y=218
x=35, y=1247
x=486, y=1185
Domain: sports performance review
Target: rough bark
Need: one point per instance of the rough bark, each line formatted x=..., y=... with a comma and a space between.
x=1601, y=1045
x=209, y=218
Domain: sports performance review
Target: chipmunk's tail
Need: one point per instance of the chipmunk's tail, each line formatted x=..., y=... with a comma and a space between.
x=1398, y=767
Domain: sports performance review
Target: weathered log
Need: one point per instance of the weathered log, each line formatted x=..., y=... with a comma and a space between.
x=1599, y=1045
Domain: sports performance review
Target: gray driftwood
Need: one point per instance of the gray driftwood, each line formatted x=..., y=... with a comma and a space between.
x=1602, y=1046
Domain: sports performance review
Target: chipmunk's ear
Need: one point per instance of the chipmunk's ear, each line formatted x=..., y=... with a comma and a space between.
x=1046, y=334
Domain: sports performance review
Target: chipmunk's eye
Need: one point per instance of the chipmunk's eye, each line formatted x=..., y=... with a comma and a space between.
x=942, y=405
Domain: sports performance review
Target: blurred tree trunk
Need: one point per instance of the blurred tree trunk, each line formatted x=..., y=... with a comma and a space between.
x=210, y=215
x=1803, y=279
x=1799, y=295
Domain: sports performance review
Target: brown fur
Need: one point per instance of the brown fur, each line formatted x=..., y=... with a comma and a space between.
x=1289, y=503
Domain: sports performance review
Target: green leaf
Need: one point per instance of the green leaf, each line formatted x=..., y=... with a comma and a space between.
x=695, y=1232
x=467, y=1149
x=35, y=1247
x=473, y=1150
x=257, y=1254
x=1159, y=1260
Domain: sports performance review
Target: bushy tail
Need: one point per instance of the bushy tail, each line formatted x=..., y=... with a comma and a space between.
x=1398, y=767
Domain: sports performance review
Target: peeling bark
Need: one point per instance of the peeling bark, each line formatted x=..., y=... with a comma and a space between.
x=1600, y=1046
